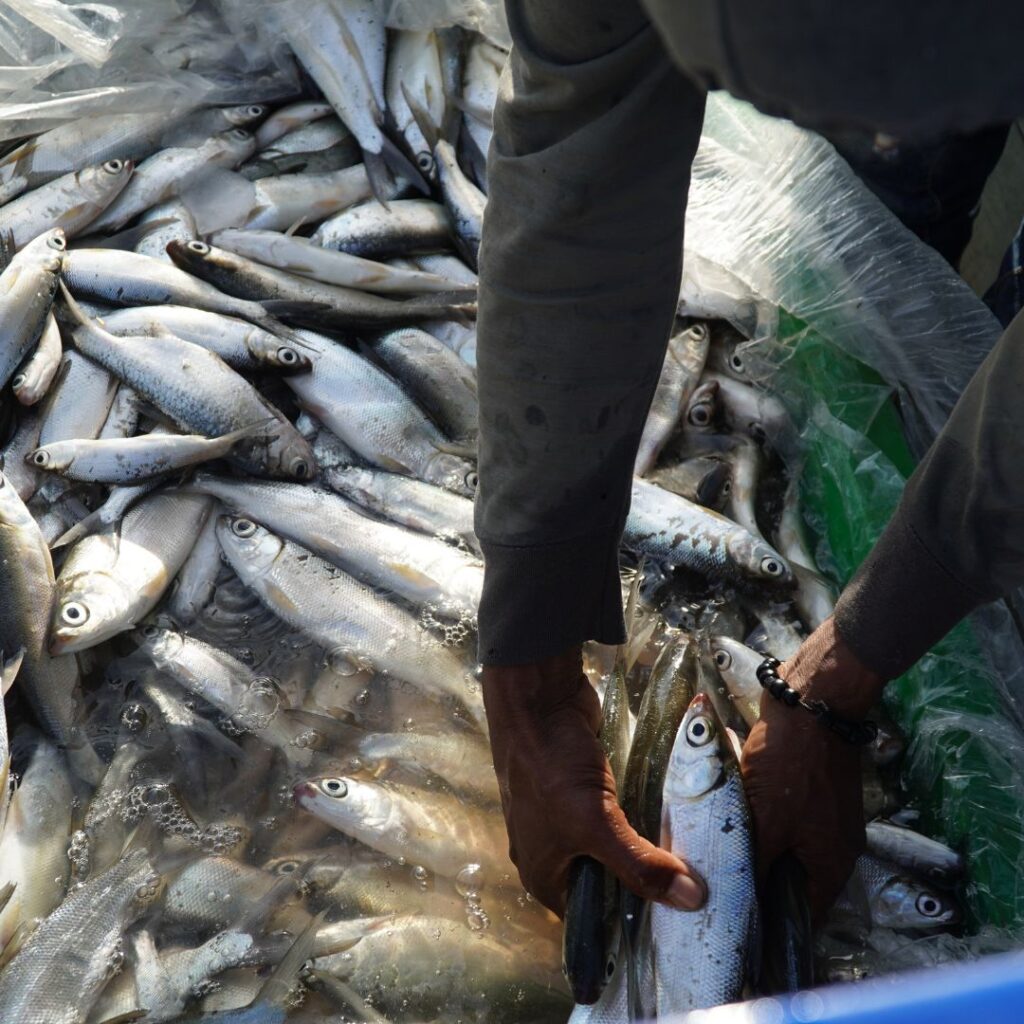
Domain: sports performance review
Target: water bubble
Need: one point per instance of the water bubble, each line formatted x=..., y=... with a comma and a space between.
x=470, y=880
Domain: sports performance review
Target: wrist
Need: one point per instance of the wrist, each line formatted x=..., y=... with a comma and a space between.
x=533, y=688
x=825, y=668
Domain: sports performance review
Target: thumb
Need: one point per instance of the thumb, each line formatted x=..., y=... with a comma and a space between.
x=650, y=872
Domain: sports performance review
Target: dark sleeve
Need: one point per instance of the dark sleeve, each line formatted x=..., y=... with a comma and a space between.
x=957, y=538
x=595, y=131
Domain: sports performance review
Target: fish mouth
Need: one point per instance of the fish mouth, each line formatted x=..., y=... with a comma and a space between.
x=303, y=790
x=701, y=703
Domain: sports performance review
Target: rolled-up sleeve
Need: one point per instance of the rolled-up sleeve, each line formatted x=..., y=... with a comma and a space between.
x=595, y=131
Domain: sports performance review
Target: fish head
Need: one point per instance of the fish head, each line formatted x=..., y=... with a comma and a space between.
x=759, y=560
x=89, y=608
x=247, y=113
x=697, y=761
x=354, y=807
x=904, y=902
x=292, y=455
x=276, y=354
x=248, y=544
x=46, y=249
x=100, y=182
x=453, y=474
x=191, y=255
x=238, y=144
x=159, y=643
x=53, y=457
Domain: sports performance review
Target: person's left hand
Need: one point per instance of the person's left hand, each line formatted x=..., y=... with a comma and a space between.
x=803, y=781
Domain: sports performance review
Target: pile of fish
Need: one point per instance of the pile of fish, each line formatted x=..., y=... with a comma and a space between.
x=247, y=775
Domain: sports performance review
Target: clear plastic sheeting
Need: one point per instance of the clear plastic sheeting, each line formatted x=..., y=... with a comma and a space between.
x=484, y=16
x=778, y=208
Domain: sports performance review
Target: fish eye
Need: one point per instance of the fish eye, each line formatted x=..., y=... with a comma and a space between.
x=699, y=332
x=150, y=632
x=40, y=457
x=609, y=968
x=757, y=432
x=243, y=528
x=255, y=110
x=288, y=867
x=240, y=133
x=723, y=659
x=18, y=381
x=771, y=566
x=74, y=613
x=200, y=247
x=699, y=731
x=424, y=161
x=928, y=905
x=736, y=362
x=287, y=356
x=727, y=488
x=300, y=469
x=472, y=479
x=57, y=242
x=700, y=416
x=114, y=166
x=333, y=787
x=134, y=717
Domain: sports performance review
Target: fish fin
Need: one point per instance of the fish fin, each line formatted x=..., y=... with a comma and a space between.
x=460, y=449
x=277, y=989
x=295, y=227
x=9, y=669
x=327, y=725
x=129, y=238
x=422, y=118
x=253, y=430
x=78, y=315
x=15, y=943
x=395, y=164
x=6, y=893
x=83, y=528
x=7, y=249
x=272, y=323
x=126, y=1018
x=343, y=993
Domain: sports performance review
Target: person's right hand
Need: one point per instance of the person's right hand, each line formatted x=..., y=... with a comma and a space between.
x=557, y=790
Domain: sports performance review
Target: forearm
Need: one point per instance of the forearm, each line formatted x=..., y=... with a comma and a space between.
x=957, y=538
x=580, y=269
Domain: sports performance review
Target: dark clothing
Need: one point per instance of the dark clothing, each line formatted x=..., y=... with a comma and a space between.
x=932, y=187
x=1006, y=295
x=595, y=130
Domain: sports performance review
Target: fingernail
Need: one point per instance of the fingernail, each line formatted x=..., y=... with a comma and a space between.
x=686, y=893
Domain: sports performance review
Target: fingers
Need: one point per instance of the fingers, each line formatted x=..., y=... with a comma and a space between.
x=650, y=872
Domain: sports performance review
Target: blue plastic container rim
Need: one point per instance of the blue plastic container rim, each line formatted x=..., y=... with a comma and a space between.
x=986, y=991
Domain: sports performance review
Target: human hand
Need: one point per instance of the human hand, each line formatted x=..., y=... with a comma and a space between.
x=557, y=790
x=803, y=782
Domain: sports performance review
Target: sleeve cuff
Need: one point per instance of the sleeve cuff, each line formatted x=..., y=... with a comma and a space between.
x=540, y=601
x=901, y=602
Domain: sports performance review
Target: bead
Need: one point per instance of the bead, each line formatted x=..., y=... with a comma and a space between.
x=790, y=697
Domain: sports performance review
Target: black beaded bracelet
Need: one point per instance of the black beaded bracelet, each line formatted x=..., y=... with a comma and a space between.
x=860, y=733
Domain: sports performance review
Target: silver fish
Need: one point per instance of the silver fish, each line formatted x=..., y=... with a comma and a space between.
x=684, y=362
x=199, y=125
x=17, y=472
x=171, y=220
x=241, y=345
x=423, y=570
x=288, y=118
x=80, y=400
x=737, y=664
x=27, y=287
x=414, y=69
x=34, y=843
x=413, y=503
x=406, y=226
x=895, y=899
x=109, y=583
x=61, y=969
x=704, y=480
x=307, y=301
x=72, y=202
x=673, y=530
x=200, y=393
x=746, y=463
x=911, y=850
x=169, y=172
x=301, y=256
x=343, y=616
x=314, y=137
x=197, y=580
x=33, y=380
x=280, y=203
x=27, y=594
x=702, y=958
x=367, y=410
x=435, y=377
x=422, y=826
